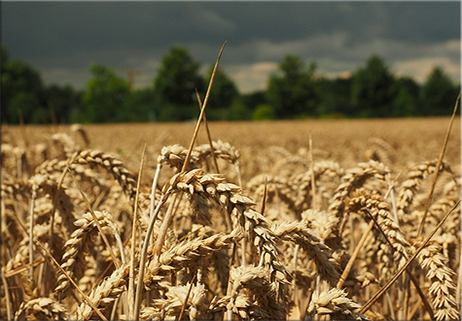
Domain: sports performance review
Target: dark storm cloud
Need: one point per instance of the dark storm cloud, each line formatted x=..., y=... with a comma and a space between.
x=59, y=36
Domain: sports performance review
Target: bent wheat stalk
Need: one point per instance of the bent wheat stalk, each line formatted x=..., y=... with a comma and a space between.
x=379, y=293
x=440, y=161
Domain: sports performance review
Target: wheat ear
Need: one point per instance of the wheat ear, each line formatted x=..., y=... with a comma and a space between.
x=336, y=304
x=443, y=289
x=104, y=294
x=42, y=309
x=299, y=233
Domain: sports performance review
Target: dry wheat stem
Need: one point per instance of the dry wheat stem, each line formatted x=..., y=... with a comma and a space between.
x=59, y=192
x=147, y=239
x=349, y=265
x=31, y=233
x=55, y=200
x=371, y=301
x=180, y=317
x=209, y=137
x=15, y=271
x=390, y=231
x=199, y=121
x=440, y=161
x=7, y=294
x=131, y=278
x=313, y=184
x=409, y=273
x=165, y=225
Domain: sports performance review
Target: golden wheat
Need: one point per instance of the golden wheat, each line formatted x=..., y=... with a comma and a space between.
x=251, y=228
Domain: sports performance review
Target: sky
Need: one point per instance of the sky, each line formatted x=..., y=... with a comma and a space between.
x=62, y=39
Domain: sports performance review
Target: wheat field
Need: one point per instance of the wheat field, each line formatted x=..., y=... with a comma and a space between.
x=281, y=220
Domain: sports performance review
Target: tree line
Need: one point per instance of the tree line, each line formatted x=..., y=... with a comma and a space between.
x=295, y=91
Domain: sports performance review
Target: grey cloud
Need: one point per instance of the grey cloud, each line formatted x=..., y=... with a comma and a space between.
x=71, y=35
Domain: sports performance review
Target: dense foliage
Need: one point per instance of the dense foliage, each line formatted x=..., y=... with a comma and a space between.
x=295, y=91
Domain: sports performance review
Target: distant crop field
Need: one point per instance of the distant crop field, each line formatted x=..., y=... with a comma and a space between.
x=318, y=219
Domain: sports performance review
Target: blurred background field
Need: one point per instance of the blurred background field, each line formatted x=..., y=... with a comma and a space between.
x=410, y=140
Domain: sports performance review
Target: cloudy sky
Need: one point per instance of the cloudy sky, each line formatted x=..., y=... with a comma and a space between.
x=61, y=39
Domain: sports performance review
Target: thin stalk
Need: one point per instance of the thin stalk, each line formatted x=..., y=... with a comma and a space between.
x=154, y=187
x=353, y=257
x=131, y=278
x=165, y=225
x=313, y=183
x=349, y=265
x=371, y=301
x=409, y=273
x=238, y=172
x=294, y=280
x=114, y=308
x=438, y=166
x=9, y=314
x=198, y=123
x=263, y=202
x=209, y=137
x=144, y=251
x=31, y=236
x=407, y=287
x=229, y=313
x=403, y=290
x=227, y=218
x=459, y=279
x=22, y=269
x=53, y=212
x=390, y=306
x=154, y=211
x=186, y=298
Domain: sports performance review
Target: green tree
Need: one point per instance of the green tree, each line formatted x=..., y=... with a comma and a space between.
x=22, y=92
x=222, y=95
x=334, y=95
x=62, y=102
x=104, y=96
x=26, y=107
x=141, y=105
x=239, y=110
x=292, y=92
x=438, y=93
x=406, y=99
x=263, y=112
x=254, y=99
x=175, y=84
x=372, y=89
